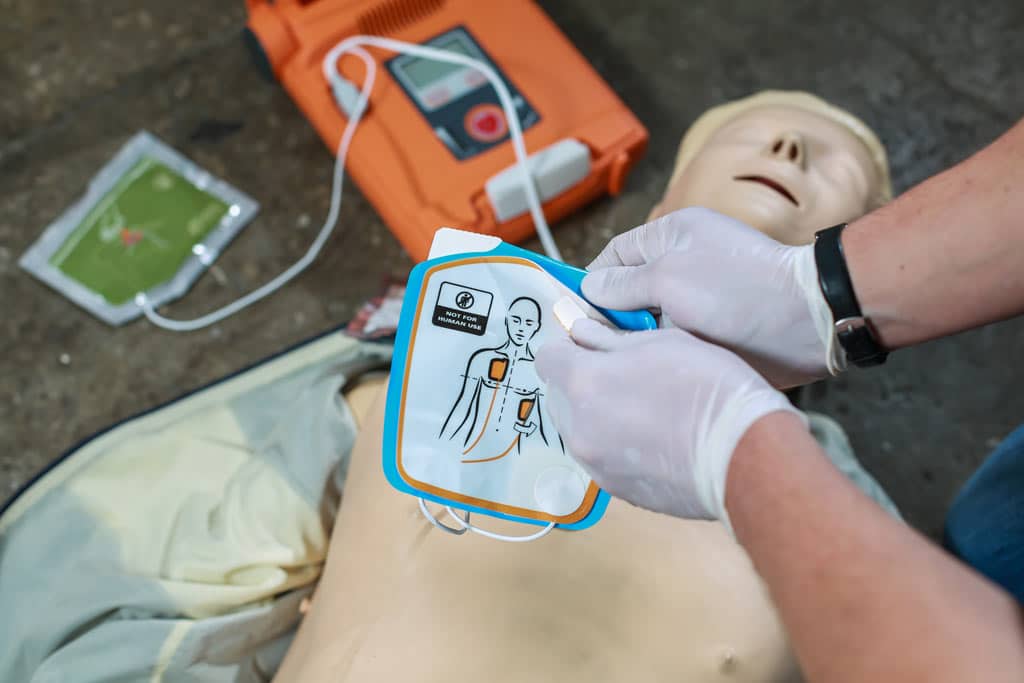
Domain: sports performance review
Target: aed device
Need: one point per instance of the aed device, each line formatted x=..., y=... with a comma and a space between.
x=433, y=147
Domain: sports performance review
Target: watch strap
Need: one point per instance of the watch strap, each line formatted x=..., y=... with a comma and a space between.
x=853, y=330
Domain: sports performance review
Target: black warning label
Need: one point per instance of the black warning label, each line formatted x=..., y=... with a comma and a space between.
x=462, y=308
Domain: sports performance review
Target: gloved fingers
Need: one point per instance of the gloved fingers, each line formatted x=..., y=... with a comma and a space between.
x=625, y=288
x=632, y=248
x=609, y=256
x=556, y=359
x=560, y=363
x=559, y=409
x=591, y=334
x=656, y=237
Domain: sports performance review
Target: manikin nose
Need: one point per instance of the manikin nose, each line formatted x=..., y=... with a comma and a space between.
x=788, y=146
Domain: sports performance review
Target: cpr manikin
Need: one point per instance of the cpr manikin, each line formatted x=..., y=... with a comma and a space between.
x=639, y=596
x=786, y=163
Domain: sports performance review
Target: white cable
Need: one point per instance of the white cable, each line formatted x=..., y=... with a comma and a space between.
x=466, y=526
x=354, y=45
x=314, y=250
x=441, y=525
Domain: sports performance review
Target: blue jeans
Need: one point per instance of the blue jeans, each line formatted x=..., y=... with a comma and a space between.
x=985, y=526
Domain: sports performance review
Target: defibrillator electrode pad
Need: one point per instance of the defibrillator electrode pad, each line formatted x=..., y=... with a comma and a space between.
x=468, y=421
x=150, y=223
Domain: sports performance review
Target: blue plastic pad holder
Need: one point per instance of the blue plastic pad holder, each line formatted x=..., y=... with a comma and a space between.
x=468, y=421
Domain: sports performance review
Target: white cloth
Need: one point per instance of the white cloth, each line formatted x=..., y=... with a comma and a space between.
x=833, y=440
x=178, y=545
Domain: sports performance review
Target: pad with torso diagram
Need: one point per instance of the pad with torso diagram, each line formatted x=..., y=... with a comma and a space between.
x=475, y=427
x=494, y=412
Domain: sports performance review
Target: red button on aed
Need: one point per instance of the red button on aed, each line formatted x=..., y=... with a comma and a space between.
x=486, y=123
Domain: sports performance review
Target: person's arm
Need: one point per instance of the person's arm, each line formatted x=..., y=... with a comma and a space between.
x=863, y=596
x=676, y=425
x=949, y=254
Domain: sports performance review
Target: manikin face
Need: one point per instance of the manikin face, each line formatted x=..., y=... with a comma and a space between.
x=522, y=321
x=786, y=171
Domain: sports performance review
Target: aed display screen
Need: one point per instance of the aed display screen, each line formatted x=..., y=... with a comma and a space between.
x=423, y=72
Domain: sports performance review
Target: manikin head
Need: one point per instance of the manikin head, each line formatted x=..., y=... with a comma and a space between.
x=522, y=321
x=786, y=163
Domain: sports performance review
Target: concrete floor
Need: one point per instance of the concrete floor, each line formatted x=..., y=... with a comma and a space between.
x=937, y=79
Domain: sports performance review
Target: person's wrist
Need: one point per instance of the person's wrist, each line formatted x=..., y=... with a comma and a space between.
x=853, y=329
x=874, y=276
x=773, y=431
x=728, y=430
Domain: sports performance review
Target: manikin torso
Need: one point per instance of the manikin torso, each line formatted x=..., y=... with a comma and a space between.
x=639, y=597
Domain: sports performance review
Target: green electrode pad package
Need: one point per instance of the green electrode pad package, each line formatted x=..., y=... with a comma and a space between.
x=149, y=224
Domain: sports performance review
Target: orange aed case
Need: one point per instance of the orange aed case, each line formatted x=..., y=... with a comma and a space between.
x=432, y=146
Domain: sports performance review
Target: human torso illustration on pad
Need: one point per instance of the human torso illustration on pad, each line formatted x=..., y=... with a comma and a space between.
x=498, y=408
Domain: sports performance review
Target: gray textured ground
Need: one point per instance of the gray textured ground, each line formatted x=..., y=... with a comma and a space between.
x=937, y=80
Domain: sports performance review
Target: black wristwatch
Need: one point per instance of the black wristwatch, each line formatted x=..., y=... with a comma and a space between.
x=853, y=330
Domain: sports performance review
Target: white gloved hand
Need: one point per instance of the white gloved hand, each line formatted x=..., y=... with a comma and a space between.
x=727, y=283
x=654, y=417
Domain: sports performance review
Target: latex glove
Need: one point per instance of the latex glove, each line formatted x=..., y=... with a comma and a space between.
x=727, y=283
x=654, y=417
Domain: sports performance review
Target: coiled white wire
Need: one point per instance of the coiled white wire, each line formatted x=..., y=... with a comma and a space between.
x=465, y=525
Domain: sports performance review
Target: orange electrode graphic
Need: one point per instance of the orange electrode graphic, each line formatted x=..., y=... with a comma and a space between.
x=433, y=147
x=525, y=406
x=497, y=369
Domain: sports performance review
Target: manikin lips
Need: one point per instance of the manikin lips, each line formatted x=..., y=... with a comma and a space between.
x=768, y=182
